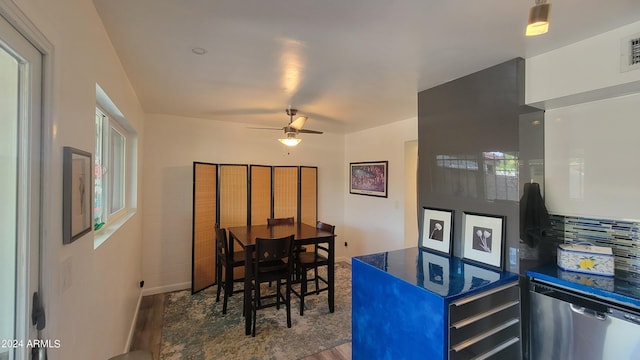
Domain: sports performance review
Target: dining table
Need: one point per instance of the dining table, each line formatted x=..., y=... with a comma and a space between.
x=304, y=234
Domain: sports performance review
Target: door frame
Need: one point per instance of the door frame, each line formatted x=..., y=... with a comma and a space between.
x=15, y=17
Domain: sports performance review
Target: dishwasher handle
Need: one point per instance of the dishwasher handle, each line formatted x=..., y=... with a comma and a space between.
x=588, y=312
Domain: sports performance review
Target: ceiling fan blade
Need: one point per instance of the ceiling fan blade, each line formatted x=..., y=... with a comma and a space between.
x=265, y=128
x=305, y=131
x=298, y=123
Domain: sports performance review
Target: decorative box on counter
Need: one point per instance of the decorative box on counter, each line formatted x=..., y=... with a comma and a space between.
x=587, y=259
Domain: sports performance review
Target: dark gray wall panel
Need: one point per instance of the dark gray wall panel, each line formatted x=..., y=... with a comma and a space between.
x=469, y=147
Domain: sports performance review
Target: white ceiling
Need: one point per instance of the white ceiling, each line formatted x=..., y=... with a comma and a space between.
x=347, y=64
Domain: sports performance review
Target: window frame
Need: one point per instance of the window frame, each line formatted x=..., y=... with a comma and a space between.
x=109, y=123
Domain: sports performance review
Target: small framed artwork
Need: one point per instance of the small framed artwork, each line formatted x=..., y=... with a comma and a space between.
x=437, y=230
x=369, y=178
x=483, y=239
x=77, y=189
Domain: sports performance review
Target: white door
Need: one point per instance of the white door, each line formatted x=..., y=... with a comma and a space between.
x=20, y=144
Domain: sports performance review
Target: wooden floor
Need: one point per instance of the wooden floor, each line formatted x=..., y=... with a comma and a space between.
x=148, y=332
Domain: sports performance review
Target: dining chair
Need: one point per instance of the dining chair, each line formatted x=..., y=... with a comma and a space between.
x=227, y=261
x=273, y=262
x=287, y=221
x=281, y=221
x=312, y=260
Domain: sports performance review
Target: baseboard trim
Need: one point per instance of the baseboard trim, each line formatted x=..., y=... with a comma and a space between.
x=132, y=329
x=343, y=259
x=166, y=288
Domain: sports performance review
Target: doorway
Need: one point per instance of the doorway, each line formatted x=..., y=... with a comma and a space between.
x=411, y=193
x=20, y=190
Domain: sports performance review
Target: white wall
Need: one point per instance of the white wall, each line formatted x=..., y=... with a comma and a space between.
x=594, y=168
x=374, y=224
x=584, y=71
x=590, y=126
x=93, y=314
x=172, y=145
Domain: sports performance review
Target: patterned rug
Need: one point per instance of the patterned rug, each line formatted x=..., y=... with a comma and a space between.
x=195, y=328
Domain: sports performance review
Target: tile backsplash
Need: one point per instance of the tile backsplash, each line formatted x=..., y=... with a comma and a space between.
x=622, y=236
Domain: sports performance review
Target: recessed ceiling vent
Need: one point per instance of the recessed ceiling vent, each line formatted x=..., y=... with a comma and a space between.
x=630, y=53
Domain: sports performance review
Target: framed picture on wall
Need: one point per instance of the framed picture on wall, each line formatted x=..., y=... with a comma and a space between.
x=77, y=192
x=369, y=178
x=483, y=239
x=437, y=230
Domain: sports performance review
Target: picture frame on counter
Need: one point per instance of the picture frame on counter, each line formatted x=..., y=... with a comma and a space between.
x=483, y=238
x=368, y=178
x=437, y=230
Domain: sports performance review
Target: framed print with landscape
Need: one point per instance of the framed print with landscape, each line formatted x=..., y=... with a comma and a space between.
x=77, y=190
x=368, y=178
x=437, y=230
x=483, y=239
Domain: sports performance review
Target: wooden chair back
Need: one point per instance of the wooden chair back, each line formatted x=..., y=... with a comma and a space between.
x=326, y=227
x=281, y=221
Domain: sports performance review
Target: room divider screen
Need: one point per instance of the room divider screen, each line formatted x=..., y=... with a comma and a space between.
x=285, y=192
x=205, y=213
x=260, y=194
x=308, y=195
x=239, y=195
x=234, y=195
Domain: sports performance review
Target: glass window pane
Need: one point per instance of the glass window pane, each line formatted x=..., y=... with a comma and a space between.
x=9, y=118
x=98, y=198
x=117, y=170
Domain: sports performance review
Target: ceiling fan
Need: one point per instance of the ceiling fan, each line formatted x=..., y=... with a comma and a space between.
x=294, y=128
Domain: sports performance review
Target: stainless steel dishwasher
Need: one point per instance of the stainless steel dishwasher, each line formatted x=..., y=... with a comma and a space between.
x=567, y=325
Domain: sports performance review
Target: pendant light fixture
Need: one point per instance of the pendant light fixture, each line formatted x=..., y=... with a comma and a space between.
x=538, y=18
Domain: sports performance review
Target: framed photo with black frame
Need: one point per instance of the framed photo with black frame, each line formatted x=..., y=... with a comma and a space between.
x=437, y=230
x=483, y=238
x=77, y=191
x=368, y=178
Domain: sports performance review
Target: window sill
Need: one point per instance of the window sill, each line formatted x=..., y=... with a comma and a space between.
x=105, y=233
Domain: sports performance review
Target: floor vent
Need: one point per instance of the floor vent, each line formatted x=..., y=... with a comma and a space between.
x=630, y=53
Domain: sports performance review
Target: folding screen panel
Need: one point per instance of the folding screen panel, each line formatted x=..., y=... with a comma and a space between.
x=205, y=177
x=308, y=195
x=285, y=191
x=233, y=195
x=260, y=194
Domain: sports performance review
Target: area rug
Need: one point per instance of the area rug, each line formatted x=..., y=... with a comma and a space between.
x=195, y=328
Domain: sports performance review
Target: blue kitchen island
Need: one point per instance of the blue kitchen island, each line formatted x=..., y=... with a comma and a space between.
x=414, y=304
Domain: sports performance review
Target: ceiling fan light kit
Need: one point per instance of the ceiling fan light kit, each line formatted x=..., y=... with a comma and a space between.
x=290, y=140
x=538, y=18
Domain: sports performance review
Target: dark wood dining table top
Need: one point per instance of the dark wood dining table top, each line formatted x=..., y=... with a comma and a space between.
x=246, y=235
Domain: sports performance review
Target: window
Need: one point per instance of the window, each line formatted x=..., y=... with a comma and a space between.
x=110, y=185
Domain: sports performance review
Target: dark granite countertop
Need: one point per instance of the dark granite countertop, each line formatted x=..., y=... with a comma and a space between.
x=615, y=289
x=449, y=277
